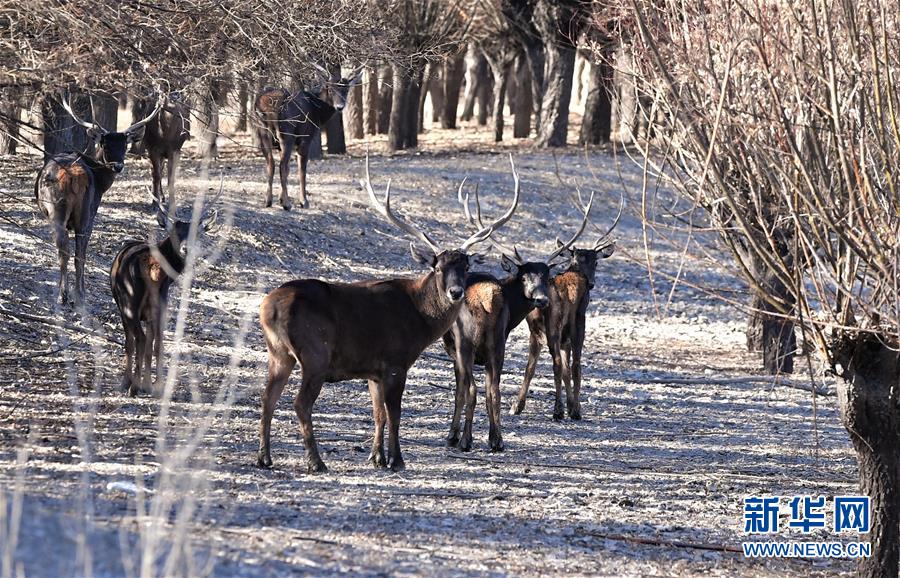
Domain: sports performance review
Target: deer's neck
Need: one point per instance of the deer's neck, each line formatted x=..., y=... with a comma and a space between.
x=320, y=111
x=518, y=305
x=172, y=256
x=104, y=176
x=436, y=309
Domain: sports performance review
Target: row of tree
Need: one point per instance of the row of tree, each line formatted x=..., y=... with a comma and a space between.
x=460, y=52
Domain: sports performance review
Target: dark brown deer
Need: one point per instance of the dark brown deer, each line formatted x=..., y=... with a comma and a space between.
x=493, y=308
x=140, y=277
x=561, y=323
x=373, y=330
x=163, y=138
x=69, y=187
x=288, y=121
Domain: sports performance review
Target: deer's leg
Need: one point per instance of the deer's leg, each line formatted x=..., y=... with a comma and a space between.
x=460, y=359
x=379, y=416
x=81, y=244
x=574, y=405
x=280, y=366
x=140, y=340
x=303, y=403
x=493, y=369
x=156, y=175
x=394, y=382
x=172, y=164
x=284, y=169
x=270, y=173
x=158, y=346
x=534, y=350
x=556, y=354
x=128, y=377
x=149, y=345
x=304, y=157
x=61, y=239
x=470, y=396
x=566, y=370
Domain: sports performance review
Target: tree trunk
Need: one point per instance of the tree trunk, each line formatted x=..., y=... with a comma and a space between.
x=534, y=52
x=423, y=95
x=385, y=98
x=772, y=335
x=483, y=96
x=476, y=73
x=436, y=91
x=403, y=133
x=500, y=70
x=334, y=131
x=524, y=101
x=557, y=23
x=370, y=109
x=454, y=68
x=315, y=147
x=207, y=131
x=106, y=111
x=10, y=114
x=61, y=132
x=243, y=97
x=596, y=127
x=353, y=113
x=870, y=410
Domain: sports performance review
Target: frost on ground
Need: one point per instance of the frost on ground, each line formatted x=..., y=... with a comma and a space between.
x=657, y=470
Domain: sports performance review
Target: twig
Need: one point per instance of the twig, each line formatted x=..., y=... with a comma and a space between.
x=768, y=380
x=59, y=324
x=665, y=542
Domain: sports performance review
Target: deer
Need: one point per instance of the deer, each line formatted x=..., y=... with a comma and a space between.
x=163, y=138
x=139, y=278
x=562, y=322
x=494, y=307
x=69, y=187
x=286, y=121
x=372, y=330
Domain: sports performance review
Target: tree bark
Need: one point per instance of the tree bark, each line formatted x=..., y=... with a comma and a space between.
x=483, y=96
x=499, y=65
x=61, y=132
x=524, y=101
x=596, y=126
x=370, y=108
x=106, y=111
x=353, y=113
x=556, y=21
x=423, y=95
x=10, y=113
x=385, y=98
x=476, y=73
x=774, y=336
x=207, y=117
x=403, y=131
x=436, y=91
x=454, y=68
x=243, y=96
x=869, y=399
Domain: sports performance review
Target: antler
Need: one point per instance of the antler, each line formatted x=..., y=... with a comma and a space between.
x=140, y=123
x=486, y=231
x=385, y=210
x=64, y=100
x=603, y=240
x=577, y=234
x=511, y=253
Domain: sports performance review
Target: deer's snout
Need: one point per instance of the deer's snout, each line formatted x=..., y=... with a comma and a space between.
x=455, y=293
x=118, y=167
x=540, y=301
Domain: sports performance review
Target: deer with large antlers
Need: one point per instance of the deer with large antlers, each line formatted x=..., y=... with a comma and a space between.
x=561, y=323
x=140, y=277
x=493, y=308
x=289, y=121
x=373, y=330
x=69, y=187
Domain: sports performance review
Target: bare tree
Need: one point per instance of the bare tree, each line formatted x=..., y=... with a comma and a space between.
x=558, y=22
x=795, y=164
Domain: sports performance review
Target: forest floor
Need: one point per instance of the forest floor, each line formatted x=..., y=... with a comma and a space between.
x=650, y=483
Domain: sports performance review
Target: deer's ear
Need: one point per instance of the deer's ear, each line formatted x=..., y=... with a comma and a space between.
x=606, y=251
x=423, y=256
x=507, y=264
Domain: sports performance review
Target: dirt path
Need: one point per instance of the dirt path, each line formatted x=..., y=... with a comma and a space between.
x=663, y=461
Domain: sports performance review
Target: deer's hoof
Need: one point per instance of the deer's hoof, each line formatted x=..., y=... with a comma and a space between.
x=264, y=461
x=397, y=464
x=496, y=443
x=465, y=443
x=452, y=439
x=286, y=207
x=575, y=414
x=125, y=385
x=316, y=467
x=268, y=203
x=377, y=459
x=516, y=408
x=558, y=414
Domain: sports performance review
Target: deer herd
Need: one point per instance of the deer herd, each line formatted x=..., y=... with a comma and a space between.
x=373, y=330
